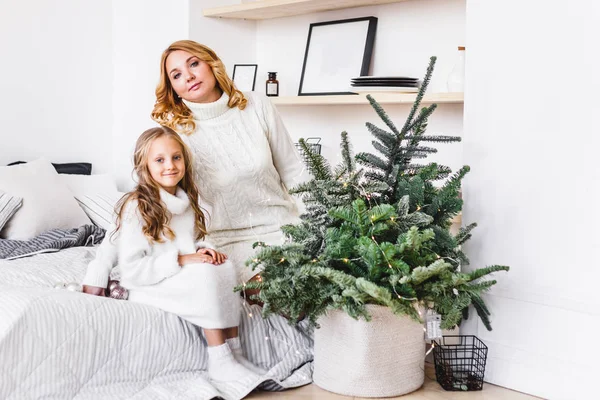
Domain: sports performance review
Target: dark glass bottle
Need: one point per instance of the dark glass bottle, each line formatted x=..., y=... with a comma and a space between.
x=272, y=87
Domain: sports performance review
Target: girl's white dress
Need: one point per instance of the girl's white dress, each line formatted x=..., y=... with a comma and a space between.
x=200, y=293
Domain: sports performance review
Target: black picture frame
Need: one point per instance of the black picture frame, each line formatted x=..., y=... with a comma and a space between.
x=246, y=73
x=335, y=54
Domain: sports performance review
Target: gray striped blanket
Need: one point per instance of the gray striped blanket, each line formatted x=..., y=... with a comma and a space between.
x=50, y=241
x=57, y=344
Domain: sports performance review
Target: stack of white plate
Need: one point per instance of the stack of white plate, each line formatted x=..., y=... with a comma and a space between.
x=370, y=84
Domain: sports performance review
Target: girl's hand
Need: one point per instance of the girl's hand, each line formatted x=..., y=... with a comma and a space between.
x=94, y=290
x=196, y=258
x=219, y=258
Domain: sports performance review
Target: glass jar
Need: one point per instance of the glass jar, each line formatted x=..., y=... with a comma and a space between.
x=272, y=86
x=456, y=79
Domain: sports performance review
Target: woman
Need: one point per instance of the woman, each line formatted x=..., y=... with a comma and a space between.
x=244, y=157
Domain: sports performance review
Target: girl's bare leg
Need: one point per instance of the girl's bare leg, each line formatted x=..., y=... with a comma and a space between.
x=215, y=337
x=231, y=332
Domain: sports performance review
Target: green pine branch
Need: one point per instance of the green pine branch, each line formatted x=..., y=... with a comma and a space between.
x=464, y=233
x=317, y=164
x=481, y=272
x=376, y=230
x=420, y=94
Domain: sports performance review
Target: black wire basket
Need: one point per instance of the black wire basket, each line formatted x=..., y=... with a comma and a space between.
x=460, y=362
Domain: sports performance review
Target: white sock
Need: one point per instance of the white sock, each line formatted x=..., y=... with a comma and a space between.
x=223, y=367
x=236, y=348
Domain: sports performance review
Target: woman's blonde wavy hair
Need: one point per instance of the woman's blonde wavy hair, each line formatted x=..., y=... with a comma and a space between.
x=156, y=217
x=169, y=110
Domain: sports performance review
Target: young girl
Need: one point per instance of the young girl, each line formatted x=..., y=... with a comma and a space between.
x=162, y=261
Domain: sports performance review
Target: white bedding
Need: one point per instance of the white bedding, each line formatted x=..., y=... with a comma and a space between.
x=61, y=345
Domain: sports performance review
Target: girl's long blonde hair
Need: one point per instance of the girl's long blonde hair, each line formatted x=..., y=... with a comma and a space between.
x=169, y=110
x=156, y=217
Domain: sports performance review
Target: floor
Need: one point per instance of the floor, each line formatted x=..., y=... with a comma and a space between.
x=429, y=391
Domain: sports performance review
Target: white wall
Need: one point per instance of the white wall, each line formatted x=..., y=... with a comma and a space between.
x=142, y=29
x=234, y=41
x=327, y=122
x=120, y=47
x=531, y=138
x=408, y=33
x=56, y=81
x=79, y=82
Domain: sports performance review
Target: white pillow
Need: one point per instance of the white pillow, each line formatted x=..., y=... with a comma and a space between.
x=100, y=207
x=8, y=207
x=96, y=194
x=47, y=201
x=89, y=184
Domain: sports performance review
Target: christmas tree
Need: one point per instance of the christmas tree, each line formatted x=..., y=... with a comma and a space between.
x=376, y=231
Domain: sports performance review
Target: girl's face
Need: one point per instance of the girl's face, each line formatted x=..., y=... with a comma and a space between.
x=191, y=78
x=166, y=163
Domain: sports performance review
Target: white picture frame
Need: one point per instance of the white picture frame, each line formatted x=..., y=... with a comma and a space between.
x=244, y=76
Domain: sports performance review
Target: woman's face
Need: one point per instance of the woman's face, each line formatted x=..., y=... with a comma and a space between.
x=191, y=78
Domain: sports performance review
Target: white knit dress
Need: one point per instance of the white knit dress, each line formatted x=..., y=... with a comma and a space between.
x=245, y=161
x=200, y=293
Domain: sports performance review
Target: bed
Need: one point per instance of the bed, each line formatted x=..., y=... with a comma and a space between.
x=61, y=344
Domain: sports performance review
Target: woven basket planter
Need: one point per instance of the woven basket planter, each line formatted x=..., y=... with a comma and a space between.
x=381, y=358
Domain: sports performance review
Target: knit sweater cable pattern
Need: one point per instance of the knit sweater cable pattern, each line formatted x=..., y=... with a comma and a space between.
x=244, y=160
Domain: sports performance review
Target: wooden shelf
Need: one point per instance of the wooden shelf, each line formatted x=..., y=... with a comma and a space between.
x=266, y=9
x=382, y=98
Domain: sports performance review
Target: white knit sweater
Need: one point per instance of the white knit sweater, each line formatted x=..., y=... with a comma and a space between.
x=245, y=161
x=140, y=262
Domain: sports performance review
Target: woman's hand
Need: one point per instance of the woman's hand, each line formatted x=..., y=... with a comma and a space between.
x=94, y=290
x=219, y=258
